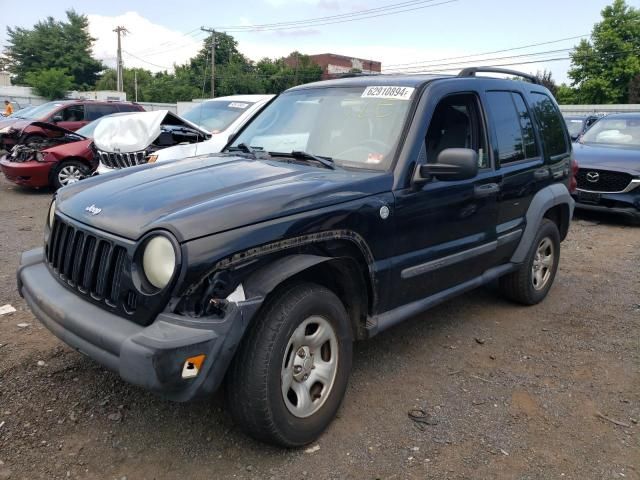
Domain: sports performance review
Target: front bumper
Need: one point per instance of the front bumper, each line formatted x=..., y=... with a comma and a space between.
x=624, y=203
x=151, y=357
x=29, y=174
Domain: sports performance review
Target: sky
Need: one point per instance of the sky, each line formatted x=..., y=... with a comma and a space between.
x=166, y=32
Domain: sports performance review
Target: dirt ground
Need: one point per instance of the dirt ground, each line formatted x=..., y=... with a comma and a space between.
x=512, y=392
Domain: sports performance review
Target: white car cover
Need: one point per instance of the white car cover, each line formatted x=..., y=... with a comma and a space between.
x=128, y=133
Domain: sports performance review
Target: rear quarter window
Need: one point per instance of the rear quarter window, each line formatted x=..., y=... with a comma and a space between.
x=552, y=127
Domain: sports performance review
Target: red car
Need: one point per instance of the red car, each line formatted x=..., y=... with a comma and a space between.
x=68, y=114
x=59, y=158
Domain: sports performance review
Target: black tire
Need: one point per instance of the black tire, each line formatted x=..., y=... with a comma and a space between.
x=253, y=389
x=519, y=286
x=57, y=182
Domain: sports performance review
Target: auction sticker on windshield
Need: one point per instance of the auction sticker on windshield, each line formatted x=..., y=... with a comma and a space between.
x=238, y=105
x=398, y=93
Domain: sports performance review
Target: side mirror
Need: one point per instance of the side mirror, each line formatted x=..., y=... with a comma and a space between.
x=57, y=118
x=453, y=164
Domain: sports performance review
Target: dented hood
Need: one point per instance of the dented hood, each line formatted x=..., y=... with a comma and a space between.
x=54, y=128
x=136, y=131
x=128, y=133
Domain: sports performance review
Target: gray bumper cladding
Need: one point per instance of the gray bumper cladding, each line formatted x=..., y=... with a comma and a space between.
x=151, y=357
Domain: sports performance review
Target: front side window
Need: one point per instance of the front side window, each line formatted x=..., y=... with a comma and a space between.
x=552, y=126
x=614, y=131
x=74, y=113
x=457, y=123
x=357, y=127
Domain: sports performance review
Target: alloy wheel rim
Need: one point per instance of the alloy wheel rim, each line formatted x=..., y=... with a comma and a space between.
x=309, y=367
x=542, y=264
x=69, y=174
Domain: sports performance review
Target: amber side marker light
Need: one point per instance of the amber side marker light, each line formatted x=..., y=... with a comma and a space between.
x=192, y=366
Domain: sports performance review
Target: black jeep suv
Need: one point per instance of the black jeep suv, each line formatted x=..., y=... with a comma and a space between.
x=343, y=208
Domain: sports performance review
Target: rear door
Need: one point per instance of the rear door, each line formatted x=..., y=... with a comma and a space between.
x=445, y=231
x=519, y=160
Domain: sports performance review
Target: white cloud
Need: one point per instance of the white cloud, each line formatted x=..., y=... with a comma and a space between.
x=157, y=46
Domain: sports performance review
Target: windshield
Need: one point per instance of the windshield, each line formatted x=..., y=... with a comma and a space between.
x=23, y=112
x=614, y=131
x=89, y=128
x=357, y=127
x=574, y=125
x=42, y=111
x=216, y=116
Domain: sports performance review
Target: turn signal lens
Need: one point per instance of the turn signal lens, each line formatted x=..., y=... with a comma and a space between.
x=192, y=366
x=152, y=159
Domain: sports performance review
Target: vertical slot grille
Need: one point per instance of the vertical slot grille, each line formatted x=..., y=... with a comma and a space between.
x=92, y=265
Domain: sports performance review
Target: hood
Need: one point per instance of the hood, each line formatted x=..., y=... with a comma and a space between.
x=136, y=131
x=622, y=159
x=74, y=149
x=207, y=195
x=214, y=145
x=53, y=130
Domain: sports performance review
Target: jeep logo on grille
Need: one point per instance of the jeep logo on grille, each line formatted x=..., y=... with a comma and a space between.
x=93, y=210
x=593, y=177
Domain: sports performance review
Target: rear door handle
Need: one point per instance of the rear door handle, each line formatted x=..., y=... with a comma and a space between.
x=486, y=190
x=541, y=174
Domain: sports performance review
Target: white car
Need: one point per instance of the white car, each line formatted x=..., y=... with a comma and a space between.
x=222, y=117
x=130, y=139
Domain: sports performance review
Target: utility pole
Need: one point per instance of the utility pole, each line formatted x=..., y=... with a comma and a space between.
x=213, y=59
x=120, y=31
x=135, y=83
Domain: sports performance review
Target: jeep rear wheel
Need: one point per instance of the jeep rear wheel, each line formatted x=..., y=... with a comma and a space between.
x=533, y=279
x=290, y=374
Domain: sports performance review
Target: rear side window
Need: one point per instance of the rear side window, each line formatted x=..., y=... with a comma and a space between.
x=96, y=111
x=551, y=124
x=513, y=127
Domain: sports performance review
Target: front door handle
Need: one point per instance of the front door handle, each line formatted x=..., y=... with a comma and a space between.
x=486, y=190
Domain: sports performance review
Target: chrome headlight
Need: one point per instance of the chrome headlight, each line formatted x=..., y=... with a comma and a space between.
x=159, y=261
x=52, y=213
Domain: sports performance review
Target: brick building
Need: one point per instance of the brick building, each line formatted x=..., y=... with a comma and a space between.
x=333, y=64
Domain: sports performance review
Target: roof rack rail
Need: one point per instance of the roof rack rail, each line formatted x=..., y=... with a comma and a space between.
x=471, y=72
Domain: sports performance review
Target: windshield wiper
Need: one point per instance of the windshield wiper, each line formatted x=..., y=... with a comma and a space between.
x=243, y=147
x=326, y=162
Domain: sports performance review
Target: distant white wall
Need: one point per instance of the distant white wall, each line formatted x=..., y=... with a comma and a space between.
x=586, y=109
x=153, y=106
x=5, y=79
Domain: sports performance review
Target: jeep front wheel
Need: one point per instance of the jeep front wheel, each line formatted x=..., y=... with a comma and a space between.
x=533, y=279
x=290, y=374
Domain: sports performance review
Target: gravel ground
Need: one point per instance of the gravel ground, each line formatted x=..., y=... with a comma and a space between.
x=511, y=392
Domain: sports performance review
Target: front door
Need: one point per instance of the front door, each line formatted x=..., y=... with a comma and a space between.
x=446, y=230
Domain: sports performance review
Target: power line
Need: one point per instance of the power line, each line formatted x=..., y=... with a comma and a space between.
x=491, y=53
x=154, y=51
x=418, y=67
x=258, y=28
x=164, y=67
x=313, y=20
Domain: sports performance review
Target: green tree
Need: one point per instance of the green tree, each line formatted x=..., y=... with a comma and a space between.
x=565, y=95
x=546, y=78
x=51, y=83
x=634, y=90
x=603, y=67
x=54, y=44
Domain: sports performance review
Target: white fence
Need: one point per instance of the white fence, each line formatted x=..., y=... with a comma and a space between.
x=587, y=109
